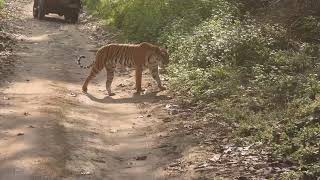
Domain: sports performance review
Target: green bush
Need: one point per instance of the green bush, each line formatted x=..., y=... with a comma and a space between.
x=252, y=77
x=145, y=20
x=1, y=4
x=307, y=28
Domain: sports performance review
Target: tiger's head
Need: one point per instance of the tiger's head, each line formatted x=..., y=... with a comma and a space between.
x=160, y=53
x=165, y=56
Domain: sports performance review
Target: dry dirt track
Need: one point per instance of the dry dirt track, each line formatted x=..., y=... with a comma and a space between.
x=50, y=130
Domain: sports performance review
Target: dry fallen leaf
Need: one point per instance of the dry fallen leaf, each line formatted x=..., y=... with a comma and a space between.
x=72, y=95
x=113, y=130
x=215, y=158
x=85, y=173
x=141, y=158
x=20, y=134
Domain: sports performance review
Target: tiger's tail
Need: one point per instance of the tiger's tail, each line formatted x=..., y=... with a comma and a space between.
x=82, y=66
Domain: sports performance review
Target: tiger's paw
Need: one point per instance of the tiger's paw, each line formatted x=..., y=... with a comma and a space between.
x=84, y=89
x=111, y=94
x=139, y=92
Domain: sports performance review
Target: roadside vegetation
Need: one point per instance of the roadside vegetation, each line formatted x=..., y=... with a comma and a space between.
x=258, y=73
x=1, y=4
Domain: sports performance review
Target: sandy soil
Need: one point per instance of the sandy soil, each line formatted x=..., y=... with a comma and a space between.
x=49, y=129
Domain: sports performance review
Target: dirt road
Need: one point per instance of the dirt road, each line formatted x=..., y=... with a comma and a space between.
x=50, y=130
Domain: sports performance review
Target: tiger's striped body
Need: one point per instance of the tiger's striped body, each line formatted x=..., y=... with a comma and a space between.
x=128, y=55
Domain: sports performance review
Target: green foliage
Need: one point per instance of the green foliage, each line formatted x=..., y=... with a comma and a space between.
x=256, y=75
x=307, y=28
x=145, y=20
x=1, y=4
x=251, y=75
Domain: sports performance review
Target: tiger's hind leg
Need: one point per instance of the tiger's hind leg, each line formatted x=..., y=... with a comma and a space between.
x=110, y=75
x=92, y=75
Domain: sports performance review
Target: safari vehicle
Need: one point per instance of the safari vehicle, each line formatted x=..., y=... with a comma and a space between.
x=68, y=8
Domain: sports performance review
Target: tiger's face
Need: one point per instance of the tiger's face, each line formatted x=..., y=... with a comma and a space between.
x=164, y=56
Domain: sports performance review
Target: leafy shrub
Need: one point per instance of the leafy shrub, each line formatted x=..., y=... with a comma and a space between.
x=1, y=4
x=145, y=20
x=253, y=77
x=307, y=28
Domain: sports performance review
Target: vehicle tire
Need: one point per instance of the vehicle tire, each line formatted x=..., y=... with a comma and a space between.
x=35, y=9
x=74, y=17
x=67, y=17
x=41, y=9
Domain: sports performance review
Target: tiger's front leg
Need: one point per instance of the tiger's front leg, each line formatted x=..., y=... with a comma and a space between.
x=138, y=79
x=155, y=75
x=110, y=76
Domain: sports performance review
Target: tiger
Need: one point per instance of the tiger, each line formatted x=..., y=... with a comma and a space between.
x=138, y=56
